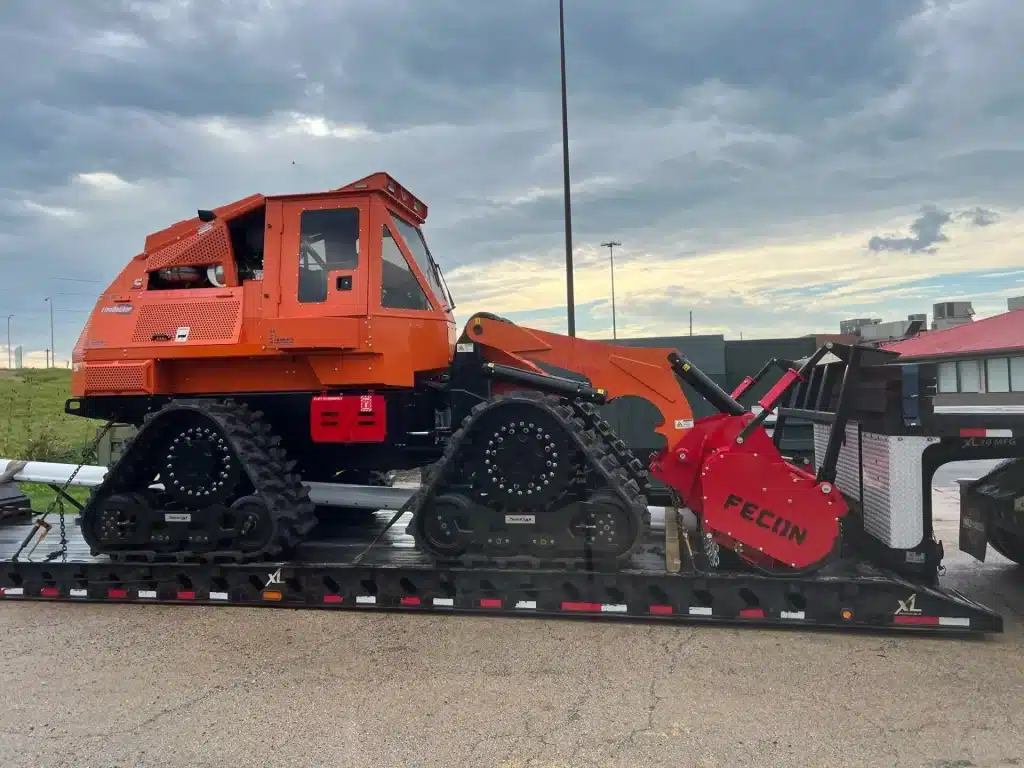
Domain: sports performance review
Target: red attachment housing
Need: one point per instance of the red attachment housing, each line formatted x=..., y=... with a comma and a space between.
x=748, y=494
x=351, y=418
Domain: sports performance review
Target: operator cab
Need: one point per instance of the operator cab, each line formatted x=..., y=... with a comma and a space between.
x=356, y=250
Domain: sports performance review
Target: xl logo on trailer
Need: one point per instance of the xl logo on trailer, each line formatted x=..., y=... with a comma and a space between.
x=275, y=578
x=908, y=607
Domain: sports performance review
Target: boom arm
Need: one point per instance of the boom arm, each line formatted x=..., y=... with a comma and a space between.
x=619, y=370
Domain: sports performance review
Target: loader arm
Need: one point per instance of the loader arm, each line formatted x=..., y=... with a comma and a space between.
x=619, y=370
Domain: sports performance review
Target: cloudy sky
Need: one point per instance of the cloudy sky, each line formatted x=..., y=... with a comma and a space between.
x=772, y=165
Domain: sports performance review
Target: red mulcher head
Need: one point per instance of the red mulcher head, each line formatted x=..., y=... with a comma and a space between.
x=729, y=472
x=749, y=497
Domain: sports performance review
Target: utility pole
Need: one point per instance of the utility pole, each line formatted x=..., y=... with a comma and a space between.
x=691, y=322
x=53, y=355
x=610, y=245
x=10, y=365
x=570, y=299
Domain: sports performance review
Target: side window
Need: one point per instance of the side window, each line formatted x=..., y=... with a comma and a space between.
x=399, y=288
x=328, y=240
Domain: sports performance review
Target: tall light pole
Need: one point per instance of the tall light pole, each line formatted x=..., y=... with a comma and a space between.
x=610, y=245
x=53, y=357
x=570, y=299
x=10, y=365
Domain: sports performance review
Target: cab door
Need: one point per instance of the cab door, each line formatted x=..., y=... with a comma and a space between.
x=323, y=268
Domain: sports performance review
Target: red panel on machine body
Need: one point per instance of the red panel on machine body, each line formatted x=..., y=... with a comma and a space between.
x=352, y=418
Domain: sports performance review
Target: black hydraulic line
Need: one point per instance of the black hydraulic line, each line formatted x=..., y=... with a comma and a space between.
x=542, y=382
x=705, y=387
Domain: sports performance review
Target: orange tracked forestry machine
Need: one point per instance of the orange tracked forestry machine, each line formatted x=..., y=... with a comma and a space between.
x=280, y=340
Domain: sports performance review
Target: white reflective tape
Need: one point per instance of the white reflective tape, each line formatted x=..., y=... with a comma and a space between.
x=444, y=601
x=79, y=593
x=218, y=595
x=699, y=610
x=954, y=621
x=613, y=609
x=150, y=593
x=998, y=433
x=792, y=614
x=366, y=599
x=12, y=591
x=528, y=605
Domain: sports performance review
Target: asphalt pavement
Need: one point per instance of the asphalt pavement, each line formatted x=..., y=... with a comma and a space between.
x=98, y=685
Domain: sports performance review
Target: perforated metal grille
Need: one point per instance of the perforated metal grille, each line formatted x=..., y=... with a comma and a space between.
x=210, y=247
x=78, y=353
x=117, y=377
x=206, y=320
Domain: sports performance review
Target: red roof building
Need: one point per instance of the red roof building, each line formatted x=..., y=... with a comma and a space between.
x=999, y=334
x=978, y=364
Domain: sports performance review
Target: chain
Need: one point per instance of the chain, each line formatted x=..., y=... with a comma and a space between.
x=59, y=497
x=63, y=533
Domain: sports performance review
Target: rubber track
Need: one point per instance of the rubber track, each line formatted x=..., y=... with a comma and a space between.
x=583, y=425
x=629, y=461
x=263, y=461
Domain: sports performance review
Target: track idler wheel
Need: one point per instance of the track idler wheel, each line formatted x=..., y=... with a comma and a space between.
x=605, y=525
x=122, y=520
x=446, y=526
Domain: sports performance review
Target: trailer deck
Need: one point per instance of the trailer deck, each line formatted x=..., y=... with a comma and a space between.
x=394, y=576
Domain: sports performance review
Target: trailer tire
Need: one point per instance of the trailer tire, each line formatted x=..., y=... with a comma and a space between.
x=1008, y=544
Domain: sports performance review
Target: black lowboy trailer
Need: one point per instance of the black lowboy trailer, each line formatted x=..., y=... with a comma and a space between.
x=877, y=438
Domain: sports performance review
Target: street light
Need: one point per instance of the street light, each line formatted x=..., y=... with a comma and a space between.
x=53, y=361
x=10, y=365
x=610, y=245
x=570, y=300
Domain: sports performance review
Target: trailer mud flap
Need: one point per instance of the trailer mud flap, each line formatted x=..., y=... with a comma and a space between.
x=973, y=524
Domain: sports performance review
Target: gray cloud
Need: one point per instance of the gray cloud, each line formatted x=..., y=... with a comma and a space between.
x=927, y=229
x=979, y=217
x=721, y=124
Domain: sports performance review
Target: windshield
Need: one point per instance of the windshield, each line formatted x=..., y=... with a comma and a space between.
x=418, y=247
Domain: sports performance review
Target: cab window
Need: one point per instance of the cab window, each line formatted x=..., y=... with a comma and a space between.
x=328, y=241
x=417, y=246
x=399, y=288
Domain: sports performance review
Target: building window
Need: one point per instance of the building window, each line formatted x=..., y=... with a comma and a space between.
x=1017, y=374
x=399, y=288
x=328, y=240
x=947, y=378
x=997, y=374
x=970, y=375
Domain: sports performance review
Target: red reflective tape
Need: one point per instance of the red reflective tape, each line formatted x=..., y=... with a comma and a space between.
x=752, y=613
x=186, y=595
x=49, y=592
x=973, y=432
x=333, y=599
x=117, y=592
x=490, y=602
x=906, y=619
x=567, y=606
x=410, y=601
x=662, y=609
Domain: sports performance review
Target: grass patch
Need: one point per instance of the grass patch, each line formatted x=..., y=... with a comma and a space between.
x=34, y=427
